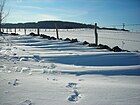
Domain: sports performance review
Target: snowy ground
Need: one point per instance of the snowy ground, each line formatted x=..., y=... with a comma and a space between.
x=35, y=71
x=125, y=40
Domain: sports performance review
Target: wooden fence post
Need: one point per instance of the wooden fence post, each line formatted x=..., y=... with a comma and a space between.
x=10, y=30
x=2, y=29
x=38, y=31
x=96, y=34
x=57, y=31
x=25, y=31
x=15, y=31
x=7, y=30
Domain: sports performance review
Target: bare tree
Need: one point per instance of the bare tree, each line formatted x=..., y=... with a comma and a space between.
x=2, y=13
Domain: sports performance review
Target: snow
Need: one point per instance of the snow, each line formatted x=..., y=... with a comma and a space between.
x=36, y=71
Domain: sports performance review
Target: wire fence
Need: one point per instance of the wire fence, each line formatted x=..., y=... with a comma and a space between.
x=126, y=40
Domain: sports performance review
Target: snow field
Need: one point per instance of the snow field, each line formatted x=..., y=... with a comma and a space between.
x=35, y=71
x=92, y=89
x=125, y=40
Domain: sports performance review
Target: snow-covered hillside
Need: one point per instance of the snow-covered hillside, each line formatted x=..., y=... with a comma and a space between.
x=36, y=71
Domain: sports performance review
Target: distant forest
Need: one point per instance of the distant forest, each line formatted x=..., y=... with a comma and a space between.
x=53, y=25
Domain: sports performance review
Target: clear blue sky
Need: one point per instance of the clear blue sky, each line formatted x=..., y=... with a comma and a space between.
x=104, y=12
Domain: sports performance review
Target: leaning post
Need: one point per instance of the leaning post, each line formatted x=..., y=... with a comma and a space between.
x=57, y=31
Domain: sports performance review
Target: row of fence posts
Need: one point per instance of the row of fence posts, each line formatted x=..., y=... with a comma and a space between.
x=57, y=34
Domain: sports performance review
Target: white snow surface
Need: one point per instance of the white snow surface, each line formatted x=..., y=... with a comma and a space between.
x=126, y=40
x=36, y=71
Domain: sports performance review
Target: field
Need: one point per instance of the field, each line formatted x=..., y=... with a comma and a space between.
x=36, y=71
x=126, y=40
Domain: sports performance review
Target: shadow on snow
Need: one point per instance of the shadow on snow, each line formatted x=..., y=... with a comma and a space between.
x=114, y=59
x=135, y=72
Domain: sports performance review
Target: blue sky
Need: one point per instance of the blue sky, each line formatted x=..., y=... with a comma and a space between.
x=104, y=12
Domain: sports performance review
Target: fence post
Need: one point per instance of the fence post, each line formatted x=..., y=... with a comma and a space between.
x=2, y=29
x=38, y=31
x=57, y=31
x=10, y=29
x=96, y=34
x=7, y=30
x=15, y=31
x=25, y=31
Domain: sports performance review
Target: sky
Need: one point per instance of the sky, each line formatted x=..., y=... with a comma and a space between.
x=104, y=12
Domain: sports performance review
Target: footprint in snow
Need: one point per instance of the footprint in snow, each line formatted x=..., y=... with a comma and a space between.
x=54, y=79
x=71, y=85
x=26, y=102
x=14, y=83
x=52, y=66
x=2, y=67
x=25, y=69
x=81, y=80
x=75, y=96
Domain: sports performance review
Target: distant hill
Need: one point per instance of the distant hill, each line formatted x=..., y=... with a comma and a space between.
x=49, y=25
x=53, y=24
